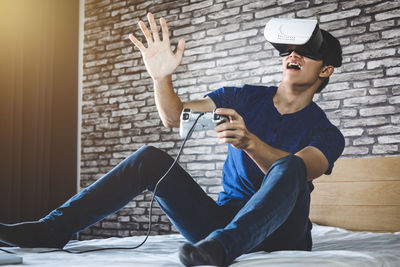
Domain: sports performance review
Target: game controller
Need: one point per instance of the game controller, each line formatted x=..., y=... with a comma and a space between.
x=207, y=121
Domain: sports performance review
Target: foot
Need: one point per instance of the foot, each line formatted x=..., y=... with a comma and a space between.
x=29, y=235
x=207, y=252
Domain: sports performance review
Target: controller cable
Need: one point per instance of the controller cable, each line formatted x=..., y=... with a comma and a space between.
x=151, y=204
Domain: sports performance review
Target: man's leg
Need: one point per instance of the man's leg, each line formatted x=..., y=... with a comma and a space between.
x=195, y=215
x=190, y=209
x=114, y=190
x=281, y=201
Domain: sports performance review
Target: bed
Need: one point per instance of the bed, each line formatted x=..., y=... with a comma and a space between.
x=356, y=222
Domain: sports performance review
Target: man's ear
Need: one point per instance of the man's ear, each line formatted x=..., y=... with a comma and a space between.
x=326, y=71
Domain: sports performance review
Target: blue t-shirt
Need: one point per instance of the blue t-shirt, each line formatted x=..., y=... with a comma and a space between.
x=241, y=177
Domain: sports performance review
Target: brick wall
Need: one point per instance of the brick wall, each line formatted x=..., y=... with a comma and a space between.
x=225, y=46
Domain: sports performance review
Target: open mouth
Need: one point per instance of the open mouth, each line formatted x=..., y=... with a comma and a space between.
x=293, y=66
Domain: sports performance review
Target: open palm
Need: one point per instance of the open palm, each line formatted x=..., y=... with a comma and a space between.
x=158, y=57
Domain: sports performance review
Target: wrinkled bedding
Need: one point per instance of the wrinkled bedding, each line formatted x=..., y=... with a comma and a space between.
x=332, y=247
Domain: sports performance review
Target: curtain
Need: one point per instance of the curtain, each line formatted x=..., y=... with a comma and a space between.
x=38, y=108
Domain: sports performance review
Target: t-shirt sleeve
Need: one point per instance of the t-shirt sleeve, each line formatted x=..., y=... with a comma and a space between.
x=227, y=97
x=330, y=141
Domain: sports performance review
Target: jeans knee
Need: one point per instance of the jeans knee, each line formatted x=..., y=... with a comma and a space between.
x=293, y=161
x=148, y=149
x=291, y=167
x=145, y=153
x=149, y=164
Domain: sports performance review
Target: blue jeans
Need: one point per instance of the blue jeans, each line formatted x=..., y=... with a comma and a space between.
x=275, y=218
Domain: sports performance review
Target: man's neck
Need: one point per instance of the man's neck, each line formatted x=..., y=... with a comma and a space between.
x=289, y=99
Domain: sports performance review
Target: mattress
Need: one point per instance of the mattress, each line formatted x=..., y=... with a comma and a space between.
x=332, y=247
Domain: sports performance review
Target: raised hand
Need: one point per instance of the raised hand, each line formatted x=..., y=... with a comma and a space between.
x=158, y=56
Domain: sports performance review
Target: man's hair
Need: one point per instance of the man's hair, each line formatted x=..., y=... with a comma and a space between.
x=332, y=54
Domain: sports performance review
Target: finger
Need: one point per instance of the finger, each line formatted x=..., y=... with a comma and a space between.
x=227, y=140
x=136, y=42
x=231, y=113
x=165, y=31
x=146, y=32
x=153, y=27
x=180, y=49
x=223, y=127
x=231, y=125
x=227, y=134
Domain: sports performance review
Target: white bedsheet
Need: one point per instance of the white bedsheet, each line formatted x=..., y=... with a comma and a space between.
x=332, y=247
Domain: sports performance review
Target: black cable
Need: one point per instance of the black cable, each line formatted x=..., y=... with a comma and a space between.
x=7, y=251
x=151, y=203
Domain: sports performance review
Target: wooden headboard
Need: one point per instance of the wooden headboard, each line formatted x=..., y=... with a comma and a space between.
x=361, y=194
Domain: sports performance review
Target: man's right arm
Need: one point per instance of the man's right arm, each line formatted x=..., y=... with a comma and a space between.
x=161, y=62
x=170, y=106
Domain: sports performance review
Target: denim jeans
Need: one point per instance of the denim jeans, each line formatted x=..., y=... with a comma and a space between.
x=275, y=218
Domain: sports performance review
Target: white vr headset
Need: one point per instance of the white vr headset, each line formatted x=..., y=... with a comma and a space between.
x=300, y=35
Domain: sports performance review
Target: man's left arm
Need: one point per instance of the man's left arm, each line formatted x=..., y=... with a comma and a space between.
x=315, y=161
x=264, y=155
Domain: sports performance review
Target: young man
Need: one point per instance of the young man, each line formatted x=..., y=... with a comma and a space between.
x=278, y=140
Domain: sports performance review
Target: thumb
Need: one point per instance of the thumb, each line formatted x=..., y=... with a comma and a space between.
x=180, y=49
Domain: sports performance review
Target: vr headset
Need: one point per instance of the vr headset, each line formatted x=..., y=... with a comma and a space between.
x=300, y=35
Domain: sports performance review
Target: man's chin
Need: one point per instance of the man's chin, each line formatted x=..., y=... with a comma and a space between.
x=293, y=80
x=295, y=84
